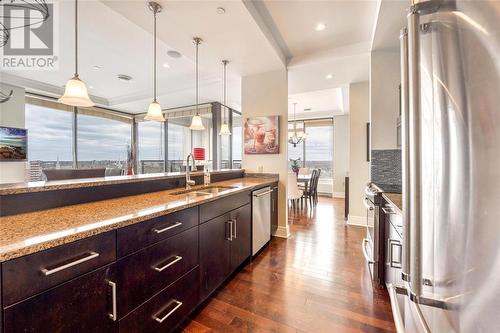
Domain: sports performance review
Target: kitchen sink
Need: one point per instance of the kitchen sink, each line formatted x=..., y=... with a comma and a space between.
x=200, y=191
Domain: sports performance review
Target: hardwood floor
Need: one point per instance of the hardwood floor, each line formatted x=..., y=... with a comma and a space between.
x=315, y=281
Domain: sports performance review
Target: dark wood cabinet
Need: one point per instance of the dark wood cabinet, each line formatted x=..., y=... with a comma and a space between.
x=241, y=240
x=274, y=209
x=214, y=254
x=166, y=310
x=225, y=242
x=31, y=274
x=140, y=235
x=144, y=273
x=221, y=206
x=146, y=277
x=83, y=304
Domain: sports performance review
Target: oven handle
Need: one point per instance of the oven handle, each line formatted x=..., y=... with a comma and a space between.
x=367, y=205
x=365, y=253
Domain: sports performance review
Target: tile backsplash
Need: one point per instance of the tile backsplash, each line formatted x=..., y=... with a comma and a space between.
x=386, y=169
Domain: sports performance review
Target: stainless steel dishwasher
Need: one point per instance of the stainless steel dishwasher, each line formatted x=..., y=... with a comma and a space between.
x=261, y=217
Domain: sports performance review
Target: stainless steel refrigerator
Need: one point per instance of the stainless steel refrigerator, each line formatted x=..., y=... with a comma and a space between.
x=451, y=168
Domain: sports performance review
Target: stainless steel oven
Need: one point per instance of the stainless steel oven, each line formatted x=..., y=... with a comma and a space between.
x=371, y=243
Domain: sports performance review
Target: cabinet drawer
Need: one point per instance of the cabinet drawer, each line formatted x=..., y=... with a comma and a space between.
x=218, y=207
x=165, y=311
x=140, y=235
x=84, y=304
x=31, y=274
x=143, y=274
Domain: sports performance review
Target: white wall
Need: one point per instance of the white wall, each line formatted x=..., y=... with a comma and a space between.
x=266, y=94
x=359, y=169
x=340, y=154
x=385, y=77
x=12, y=115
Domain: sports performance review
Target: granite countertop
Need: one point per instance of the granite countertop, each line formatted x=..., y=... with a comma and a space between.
x=27, y=233
x=15, y=188
x=396, y=199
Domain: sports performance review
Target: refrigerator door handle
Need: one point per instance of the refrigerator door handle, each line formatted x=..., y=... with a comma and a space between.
x=405, y=126
x=414, y=151
x=396, y=310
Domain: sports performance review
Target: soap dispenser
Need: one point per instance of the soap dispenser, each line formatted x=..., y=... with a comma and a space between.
x=206, y=177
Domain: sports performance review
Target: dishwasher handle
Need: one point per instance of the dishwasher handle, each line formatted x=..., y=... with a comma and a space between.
x=258, y=195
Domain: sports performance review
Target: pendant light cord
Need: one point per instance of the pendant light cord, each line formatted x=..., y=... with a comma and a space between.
x=225, y=108
x=155, y=67
x=76, y=38
x=197, y=42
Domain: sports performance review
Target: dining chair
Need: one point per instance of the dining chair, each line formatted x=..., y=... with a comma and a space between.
x=309, y=193
x=294, y=193
x=314, y=186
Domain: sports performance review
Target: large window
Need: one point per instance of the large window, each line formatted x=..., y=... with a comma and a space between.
x=316, y=152
x=151, y=154
x=102, y=142
x=179, y=143
x=237, y=140
x=50, y=135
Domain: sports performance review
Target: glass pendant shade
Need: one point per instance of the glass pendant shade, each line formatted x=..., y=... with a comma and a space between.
x=76, y=94
x=154, y=112
x=196, y=124
x=224, y=129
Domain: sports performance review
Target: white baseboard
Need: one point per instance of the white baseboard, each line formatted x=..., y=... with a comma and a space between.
x=356, y=220
x=338, y=194
x=283, y=232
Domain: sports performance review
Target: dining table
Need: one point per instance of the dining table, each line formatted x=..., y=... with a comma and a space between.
x=304, y=179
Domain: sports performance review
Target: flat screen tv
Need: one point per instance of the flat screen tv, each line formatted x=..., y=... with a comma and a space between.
x=13, y=144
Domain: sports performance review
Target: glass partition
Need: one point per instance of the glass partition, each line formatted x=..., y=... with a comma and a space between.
x=151, y=153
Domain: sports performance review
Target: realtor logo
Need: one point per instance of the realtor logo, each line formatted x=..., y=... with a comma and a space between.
x=28, y=36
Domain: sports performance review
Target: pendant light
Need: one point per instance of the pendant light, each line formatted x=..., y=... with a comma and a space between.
x=75, y=92
x=224, y=128
x=154, y=109
x=196, y=122
x=296, y=138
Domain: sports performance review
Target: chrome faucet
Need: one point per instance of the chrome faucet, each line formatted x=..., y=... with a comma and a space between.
x=189, y=182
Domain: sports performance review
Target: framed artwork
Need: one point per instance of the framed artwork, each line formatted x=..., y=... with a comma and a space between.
x=261, y=135
x=13, y=144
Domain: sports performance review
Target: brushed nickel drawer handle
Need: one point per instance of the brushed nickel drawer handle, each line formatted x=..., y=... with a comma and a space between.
x=162, y=319
x=113, y=314
x=159, y=231
x=159, y=269
x=51, y=271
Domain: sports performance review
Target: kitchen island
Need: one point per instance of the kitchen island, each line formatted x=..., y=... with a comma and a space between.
x=136, y=263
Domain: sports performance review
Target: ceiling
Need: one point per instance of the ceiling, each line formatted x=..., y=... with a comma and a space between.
x=391, y=17
x=318, y=104
x=125, y=47
x=256, y=36
x=347, y=22
x=341, y=50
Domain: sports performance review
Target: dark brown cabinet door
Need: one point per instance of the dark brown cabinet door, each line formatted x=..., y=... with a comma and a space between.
x=143, y=274
x=274, y=209
x=214, y=254
x=241, y=240
x=83, y=304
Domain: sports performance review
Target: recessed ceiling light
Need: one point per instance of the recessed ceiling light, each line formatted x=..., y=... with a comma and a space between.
x=320, y=27
x=174, y=54
x=166, y=65
x=124, y=78
x=96, y=67
x=221, y=10
x=91, y=87
x=329, y=76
